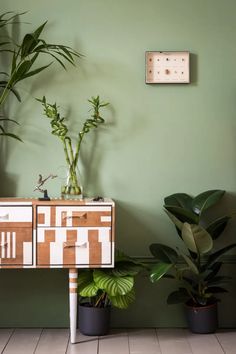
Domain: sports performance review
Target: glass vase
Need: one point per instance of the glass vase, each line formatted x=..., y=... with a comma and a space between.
x=72, y=188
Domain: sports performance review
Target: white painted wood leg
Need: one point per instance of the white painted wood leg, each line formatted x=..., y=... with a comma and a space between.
x=73, y=284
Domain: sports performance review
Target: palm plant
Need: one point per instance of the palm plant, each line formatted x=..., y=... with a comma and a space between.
x=197, y=268
x=23, y=59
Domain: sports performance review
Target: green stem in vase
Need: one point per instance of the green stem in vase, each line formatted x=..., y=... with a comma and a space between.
x=60, y=129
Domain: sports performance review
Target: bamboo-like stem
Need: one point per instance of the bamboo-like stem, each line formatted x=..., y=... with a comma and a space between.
x=60, y=129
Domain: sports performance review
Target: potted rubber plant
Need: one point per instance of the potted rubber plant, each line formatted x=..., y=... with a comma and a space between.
x=196, y=267
x=100, y=289
x=22, y=58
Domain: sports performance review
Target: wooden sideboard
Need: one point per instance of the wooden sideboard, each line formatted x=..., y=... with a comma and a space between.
x=57, y=234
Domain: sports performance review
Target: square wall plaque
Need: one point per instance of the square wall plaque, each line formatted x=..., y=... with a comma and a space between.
x=167, y=67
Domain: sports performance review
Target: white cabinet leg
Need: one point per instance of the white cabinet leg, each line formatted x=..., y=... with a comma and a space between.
x=73, y=280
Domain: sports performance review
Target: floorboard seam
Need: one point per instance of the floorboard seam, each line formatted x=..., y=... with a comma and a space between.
x=8, y=340
x=219, y=343
x=38, y=341
x=158, y=339
x=68, y=343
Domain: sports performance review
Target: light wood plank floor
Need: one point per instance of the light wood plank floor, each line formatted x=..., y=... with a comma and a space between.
x=130, y=341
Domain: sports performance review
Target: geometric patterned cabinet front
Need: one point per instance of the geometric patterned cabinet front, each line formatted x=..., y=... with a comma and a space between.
x=57, y=234
x=74, y=235
x=16, y=237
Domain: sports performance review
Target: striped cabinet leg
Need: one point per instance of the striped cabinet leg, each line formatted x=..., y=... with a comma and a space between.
x=73, y=279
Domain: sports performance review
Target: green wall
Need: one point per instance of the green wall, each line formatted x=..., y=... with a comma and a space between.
x=158, y=140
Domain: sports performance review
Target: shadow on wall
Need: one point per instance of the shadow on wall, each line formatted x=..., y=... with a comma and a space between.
x=8, y=182
x=133, y=234
x=193, y=68
x=227, y=206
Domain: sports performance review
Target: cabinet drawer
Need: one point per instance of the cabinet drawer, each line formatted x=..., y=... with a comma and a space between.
x=62, y=247
x=74, y=216
x=15, y=214
x=16, y=246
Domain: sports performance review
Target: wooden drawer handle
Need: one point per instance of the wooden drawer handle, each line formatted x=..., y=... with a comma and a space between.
x=4, y=217
x=69, y=244
x=79, y=215
x=3, y=244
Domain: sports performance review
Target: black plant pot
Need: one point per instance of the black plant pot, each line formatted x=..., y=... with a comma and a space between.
x=94, y=321
x=202, y=319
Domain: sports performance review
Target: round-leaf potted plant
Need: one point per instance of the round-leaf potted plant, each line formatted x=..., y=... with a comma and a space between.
x=100, y=289
x=197, y=267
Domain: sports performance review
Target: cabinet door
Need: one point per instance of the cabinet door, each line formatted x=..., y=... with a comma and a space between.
x=74, y=235
x=16, y=247
x=74, y=216
x=80, y=247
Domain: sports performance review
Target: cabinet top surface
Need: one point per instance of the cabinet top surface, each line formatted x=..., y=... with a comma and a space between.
x=57, y=201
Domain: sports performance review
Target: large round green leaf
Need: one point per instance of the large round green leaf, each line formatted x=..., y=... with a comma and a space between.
x=206, y=199
x=86, y=284
x=197, y=239
x=123, y=301
x=89, y=290
x=126, y=268
x=113, y=285
x=178, y=296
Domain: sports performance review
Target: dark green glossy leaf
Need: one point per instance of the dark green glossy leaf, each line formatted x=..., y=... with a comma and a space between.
x=216, y=228
x=215, y=268
x=206, y=199
x=182, y=200
x=183, y=215
x=216, y=290
x=163, y=253
x=178, y=296
x=215, y=256
x=159, y=270
x=219, y=280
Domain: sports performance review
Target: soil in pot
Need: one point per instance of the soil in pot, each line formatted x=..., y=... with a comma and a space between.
x=94, y=321
x=202, y=319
